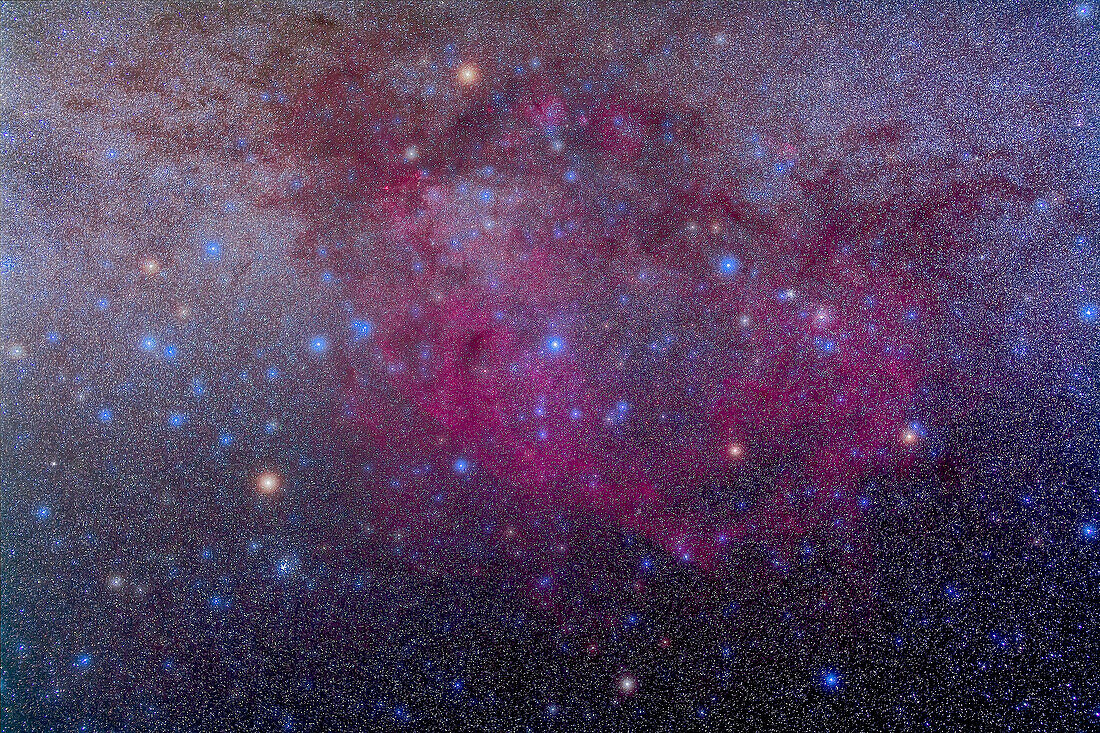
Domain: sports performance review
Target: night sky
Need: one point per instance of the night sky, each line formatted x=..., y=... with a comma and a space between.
x=550, y=366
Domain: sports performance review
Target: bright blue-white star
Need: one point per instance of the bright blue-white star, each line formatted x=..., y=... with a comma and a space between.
x=177, y=419
x=318, y=344
x=106, y=415
x=1089, y=312
x=462, y=465
x=728, y=265
x=555, y=344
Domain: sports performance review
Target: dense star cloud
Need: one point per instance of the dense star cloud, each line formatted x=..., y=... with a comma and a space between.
x=483, y=367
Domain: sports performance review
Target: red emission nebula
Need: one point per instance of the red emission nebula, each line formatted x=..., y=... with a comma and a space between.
x=520, y=249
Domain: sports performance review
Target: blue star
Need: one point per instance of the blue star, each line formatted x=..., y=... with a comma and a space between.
x=212, y=250
x=170, y=353
x=1089, y=312
x=83, y=661
x=319, y=344
x=177, y=419
x=831, y=680
x=1088, y=530
x=106, y=415
x=272, y=374
x=461, y=465
x=149, y=343
x=555, y=344
x=43, y=512
x=570, y=176
x=225, y=439
x=728, y=265
x=102, y=304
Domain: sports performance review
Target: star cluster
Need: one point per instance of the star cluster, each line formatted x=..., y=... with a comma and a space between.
x=490, y=367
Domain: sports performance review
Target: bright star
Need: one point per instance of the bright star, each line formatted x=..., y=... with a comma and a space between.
x=468, y=74
x=728, y=265
x=269, y=483
x=627, y=684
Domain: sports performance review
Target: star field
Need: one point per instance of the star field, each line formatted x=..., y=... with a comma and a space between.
x=472, y=366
